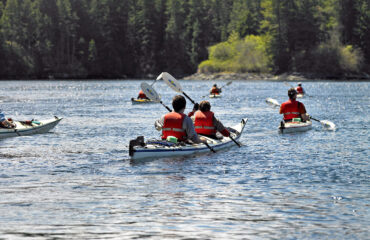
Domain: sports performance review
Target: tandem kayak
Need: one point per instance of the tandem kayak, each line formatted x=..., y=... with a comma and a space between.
x=291, y=127
x=139, y=149
x=24, y=128
x=137, y=100
x=215, y=95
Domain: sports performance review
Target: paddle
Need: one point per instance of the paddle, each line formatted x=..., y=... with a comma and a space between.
x=227, y=84
x=152, y=94
x=174, y=84
x=273, y=102
x=325, y=123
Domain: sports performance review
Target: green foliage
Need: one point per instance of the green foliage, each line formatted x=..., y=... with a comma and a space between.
x=238, y=55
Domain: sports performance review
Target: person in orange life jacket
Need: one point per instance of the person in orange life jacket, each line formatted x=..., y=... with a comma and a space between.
x=206, y=123
x=4, y=123
x=299, y=89
x=292, y=108
x=142, y=95
x=215, y=90
x=177, y=124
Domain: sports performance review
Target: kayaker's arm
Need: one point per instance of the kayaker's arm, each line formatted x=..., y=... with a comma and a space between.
x=220, y=127
x=158, y=124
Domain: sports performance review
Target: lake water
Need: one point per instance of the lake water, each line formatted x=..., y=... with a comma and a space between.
x=77, y=182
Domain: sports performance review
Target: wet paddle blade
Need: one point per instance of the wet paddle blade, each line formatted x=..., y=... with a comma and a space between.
x=171, y=82
x=159, y=76
x=272, y=101
x=150, y=92
x=328, y=125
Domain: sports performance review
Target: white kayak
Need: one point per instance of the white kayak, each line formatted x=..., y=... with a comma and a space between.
x=138, y=100
x=215, y=95
x=300, y=95
x=291, y=127
x=160, y=148
x=24, y=128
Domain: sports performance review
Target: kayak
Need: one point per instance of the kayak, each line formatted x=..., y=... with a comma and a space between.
x=300, y=95
x=137, y=100
x=139, y=149
x=215, y=95
x=291, y=127
x=29, y=127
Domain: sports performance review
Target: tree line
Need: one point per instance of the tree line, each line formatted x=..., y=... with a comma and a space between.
x=140, y=38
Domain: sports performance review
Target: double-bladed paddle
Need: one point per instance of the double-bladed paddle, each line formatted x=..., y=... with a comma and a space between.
x=154, y=96
x=325, y=123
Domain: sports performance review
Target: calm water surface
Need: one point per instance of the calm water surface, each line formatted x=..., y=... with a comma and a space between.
x=78, y=182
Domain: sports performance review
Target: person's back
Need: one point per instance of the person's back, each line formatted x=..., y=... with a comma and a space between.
x=292, y=108
x=177, y=124
x=215, y=90
x=142, y=95
x=299, y=89
x=206, y=123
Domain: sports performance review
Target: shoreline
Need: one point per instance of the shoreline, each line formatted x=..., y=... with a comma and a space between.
x=293, y=76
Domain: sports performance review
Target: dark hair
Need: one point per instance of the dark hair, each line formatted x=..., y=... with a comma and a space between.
x=215, y=85
x=178, y=103
x=291, y=93
x=204, y=106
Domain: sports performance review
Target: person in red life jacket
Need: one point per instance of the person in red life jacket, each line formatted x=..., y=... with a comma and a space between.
x=299, y=89
x=215, y=90
x=292, y=108
x=142, y=95
x=206, y=123
x=177, y=124
x=5, y=123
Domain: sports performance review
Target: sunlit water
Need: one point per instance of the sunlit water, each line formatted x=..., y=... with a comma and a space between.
x=78, y=182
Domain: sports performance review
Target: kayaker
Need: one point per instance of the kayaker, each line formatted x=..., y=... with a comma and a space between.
x=292, y=108
x=142, y=95
x=4, y=123
x=177, y=124
x=206, y=123
x=215, y=90
x=299, y=89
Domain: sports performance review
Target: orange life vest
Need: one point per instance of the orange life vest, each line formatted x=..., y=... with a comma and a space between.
x=299, y=89
x=290, y=109
x=172, y=126
x=141, y=95
x=203, y=123
x=215, y=91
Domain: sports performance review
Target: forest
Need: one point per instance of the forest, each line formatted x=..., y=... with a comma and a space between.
x=98, y=39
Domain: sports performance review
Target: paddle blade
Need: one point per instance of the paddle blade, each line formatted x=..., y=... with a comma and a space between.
x=159, y=76
x=171, y=82
x=328, y=125
x=150, y=92
x=272, y=102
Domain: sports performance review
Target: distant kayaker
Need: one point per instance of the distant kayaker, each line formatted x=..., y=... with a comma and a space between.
x=299, y=89
x=177, y=124
x=142, y=95
x=215, y=90
x=206, y=123
x=292, y=108
x=4, y=123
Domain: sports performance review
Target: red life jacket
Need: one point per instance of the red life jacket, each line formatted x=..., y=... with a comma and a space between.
x=141, y=95
x=172, y=126
x=215, y=91
x=203, y=123
x=299, y=89
x=290, y=109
